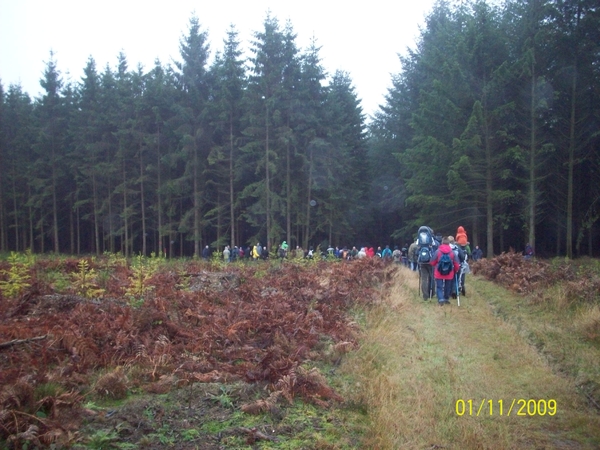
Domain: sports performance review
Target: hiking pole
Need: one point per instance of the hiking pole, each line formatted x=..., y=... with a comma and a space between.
x=457, y=289
x=420, y=285
x=431, y=282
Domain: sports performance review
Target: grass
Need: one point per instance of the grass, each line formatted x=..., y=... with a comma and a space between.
x=417, y=360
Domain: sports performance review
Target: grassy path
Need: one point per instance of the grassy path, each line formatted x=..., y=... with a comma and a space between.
x=419, y=362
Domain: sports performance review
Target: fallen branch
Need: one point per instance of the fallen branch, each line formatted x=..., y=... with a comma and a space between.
x=594, y=402
x=255, y=435
x=22, y=341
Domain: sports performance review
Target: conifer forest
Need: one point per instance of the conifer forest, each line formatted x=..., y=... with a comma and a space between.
x=493, y=123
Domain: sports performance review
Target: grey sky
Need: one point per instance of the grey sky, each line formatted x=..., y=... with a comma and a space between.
x=363, y=39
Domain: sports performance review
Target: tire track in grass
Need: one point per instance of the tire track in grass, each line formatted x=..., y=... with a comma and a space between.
x=419, y=361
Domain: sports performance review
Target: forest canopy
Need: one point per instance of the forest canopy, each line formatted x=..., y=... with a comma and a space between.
x=493, y=123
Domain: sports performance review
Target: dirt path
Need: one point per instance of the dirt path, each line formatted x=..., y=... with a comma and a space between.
x=461, y=377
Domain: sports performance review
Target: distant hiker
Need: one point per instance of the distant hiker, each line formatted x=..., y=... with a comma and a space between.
x=256, y=251
x=283, y=250
x=412, y=255
x=206, y=253
x=461, y=237
x=446, y=265
x=477, y=253
x=528, y=252
x=362, y=254
x=397, y=255
x=463, y=241
x=226, y=254
x=264, y=253
x=404, y=252
x=386, y=254
x=462, y=256
x=458, y=251
x=426, y=244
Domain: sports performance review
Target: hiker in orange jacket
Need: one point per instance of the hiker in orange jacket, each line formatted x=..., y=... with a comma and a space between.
x=461, y=237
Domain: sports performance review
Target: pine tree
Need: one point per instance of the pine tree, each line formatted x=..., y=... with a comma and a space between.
x=193, y=129
x=229, y=85
x=49, y=147
x=349, y=166
x=262, y=120
x=18, y=128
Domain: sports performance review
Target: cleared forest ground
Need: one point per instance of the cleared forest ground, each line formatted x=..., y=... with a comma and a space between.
x=474, y=376
x=151, y=354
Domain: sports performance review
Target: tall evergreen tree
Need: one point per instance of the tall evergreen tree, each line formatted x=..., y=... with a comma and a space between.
x=49, y=147
x=349, y=180
x=527, y=23
x=193, y=127
x=576, y=38
x=86, y=131
x=229, y=86
x=18, y=127
x=263, y=120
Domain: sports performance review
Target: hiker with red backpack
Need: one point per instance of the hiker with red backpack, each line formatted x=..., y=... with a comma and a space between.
x=446, y=265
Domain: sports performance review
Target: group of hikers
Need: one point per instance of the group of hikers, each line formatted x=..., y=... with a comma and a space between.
x=258, y=251
x=442, y=262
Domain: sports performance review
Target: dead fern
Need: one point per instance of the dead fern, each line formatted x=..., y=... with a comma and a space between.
x=263, y=405
x=113, y=385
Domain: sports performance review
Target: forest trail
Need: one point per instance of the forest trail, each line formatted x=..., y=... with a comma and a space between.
x=464, y=378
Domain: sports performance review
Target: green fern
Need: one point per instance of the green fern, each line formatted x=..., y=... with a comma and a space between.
x=114, y=259
x=84, y=281
x=143, y=269
x=17, y=277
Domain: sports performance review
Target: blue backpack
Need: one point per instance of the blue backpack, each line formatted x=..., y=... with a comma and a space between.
x=445, y=264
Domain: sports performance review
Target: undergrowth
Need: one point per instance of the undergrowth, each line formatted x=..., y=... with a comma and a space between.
x=189, y=323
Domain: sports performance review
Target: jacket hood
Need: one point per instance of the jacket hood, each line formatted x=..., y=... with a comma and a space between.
x=445, y=248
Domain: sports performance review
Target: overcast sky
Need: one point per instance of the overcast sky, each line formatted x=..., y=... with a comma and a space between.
x=363, y=39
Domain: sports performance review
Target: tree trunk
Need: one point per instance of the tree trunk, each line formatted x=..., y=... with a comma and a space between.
x=158, y=194
x=288, y=181
x=308, y=199
x=196, y=204
x=231, y=179
x=125, y=245
x=15, y=212
x=96, y=212
x=31, y=226
x=143, y=201
x=267, y=179
x=54, y=202
x=571, y=165
x=532, y=153
x=71, y=229
x=489, y=192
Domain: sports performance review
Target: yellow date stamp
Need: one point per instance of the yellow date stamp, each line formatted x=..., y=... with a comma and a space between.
x=500, y=407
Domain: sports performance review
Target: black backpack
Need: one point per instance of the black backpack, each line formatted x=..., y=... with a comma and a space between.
x=424, y=255
x=445, y=264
